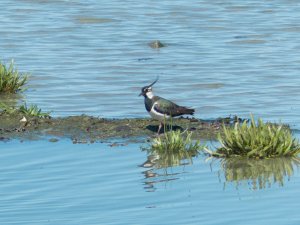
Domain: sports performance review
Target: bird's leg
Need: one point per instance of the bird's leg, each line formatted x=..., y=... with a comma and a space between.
x=159, y=127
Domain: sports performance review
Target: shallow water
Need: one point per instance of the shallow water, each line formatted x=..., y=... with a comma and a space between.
x=67, y=183
x=92, y=57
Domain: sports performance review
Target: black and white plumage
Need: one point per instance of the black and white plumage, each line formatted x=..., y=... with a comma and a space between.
x=160, y=108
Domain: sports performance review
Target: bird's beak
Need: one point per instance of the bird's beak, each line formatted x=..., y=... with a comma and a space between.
x=141, y=94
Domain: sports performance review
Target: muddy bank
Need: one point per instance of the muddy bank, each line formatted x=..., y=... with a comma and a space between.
x=89, y=129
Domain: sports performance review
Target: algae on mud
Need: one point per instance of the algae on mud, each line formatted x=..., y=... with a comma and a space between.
x=86, y=128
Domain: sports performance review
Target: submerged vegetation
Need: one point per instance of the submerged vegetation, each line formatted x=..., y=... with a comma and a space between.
x=25, y=110
x=11, y=81
x=256, y=140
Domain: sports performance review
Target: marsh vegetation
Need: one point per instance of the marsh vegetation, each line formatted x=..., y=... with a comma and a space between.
x=173, y=147
x=11, y=81
x=256, y=140
x=32, y=110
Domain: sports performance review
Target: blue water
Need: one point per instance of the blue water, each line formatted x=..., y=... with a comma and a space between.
x=222, y=57
x=69, y=183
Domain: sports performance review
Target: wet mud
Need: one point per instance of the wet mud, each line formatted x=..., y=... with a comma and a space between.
x=86, y=129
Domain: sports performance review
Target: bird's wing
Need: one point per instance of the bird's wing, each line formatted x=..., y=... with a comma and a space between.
x=167, y=107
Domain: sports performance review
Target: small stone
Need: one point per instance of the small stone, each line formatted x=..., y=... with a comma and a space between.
x=4, y=139
x=156, y=44
x=53, y=140
x=114, y=144
x=23, y=119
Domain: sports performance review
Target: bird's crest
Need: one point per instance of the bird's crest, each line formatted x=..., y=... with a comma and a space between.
x=153, y=82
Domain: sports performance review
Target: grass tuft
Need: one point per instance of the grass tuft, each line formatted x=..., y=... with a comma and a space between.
x=173, y=147
x=6, y=108
x=11, y=81
x=257, y=140
x=32, y=110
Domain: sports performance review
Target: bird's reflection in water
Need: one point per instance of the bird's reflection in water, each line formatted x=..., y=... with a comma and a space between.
x=166, y=167
x=258, y=174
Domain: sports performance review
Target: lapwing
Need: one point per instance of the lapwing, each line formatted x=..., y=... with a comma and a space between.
x=162, y=109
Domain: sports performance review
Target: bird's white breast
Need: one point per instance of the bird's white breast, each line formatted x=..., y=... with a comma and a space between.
x=158, y=116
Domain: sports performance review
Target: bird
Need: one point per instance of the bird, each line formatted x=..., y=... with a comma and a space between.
x=160, y=108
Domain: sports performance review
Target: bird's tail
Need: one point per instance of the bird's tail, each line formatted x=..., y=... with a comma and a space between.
x=188, y=111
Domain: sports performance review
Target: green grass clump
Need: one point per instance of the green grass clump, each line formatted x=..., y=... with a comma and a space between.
x=173, y=147
x=257, y=140
x=32, y=110
x=6, y=108
x=11, y=81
